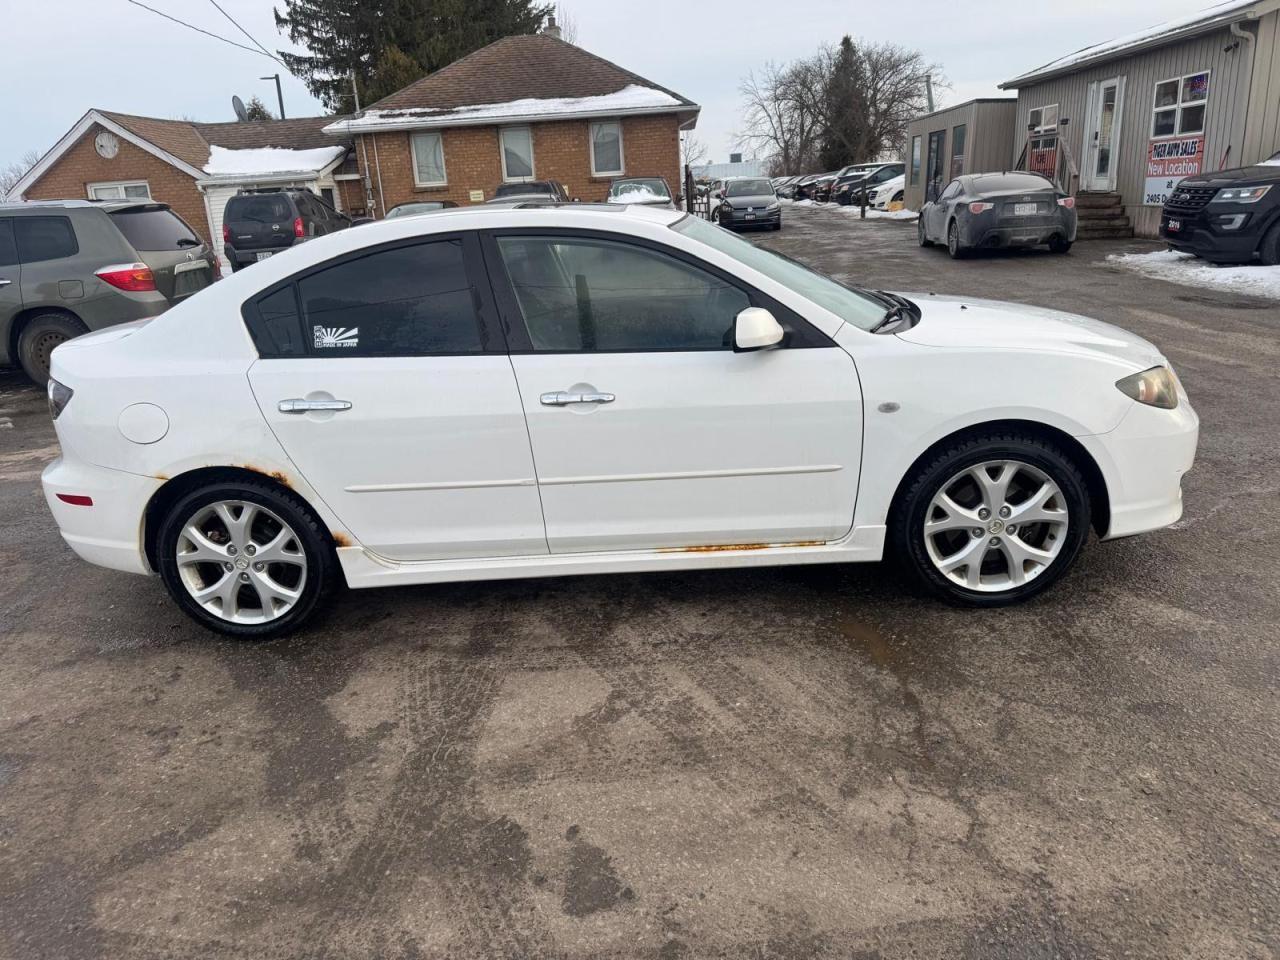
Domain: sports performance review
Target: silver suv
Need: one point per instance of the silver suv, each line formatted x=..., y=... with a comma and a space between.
x=71, y=266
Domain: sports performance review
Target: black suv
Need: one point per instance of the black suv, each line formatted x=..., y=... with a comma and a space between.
x=259, y=223
x=1230, y=216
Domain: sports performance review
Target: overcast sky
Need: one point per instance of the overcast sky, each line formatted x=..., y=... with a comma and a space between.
x=64, y=56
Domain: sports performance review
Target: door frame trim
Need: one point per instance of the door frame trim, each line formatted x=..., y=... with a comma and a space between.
x=1093, y=120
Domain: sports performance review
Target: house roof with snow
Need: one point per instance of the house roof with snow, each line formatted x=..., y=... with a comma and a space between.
x=222, y=151
x=522, y=78
x=1217, y=17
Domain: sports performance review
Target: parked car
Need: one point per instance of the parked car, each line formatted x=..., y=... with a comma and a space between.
x=788, y=189
x=415, y=207
x=802, y=186
x=1229, y=216
x=647, y=191
x=820, y=189
x=257, y=224
x=71, y=266
x=550, y=191
x=848, y=187
x=989, y=210
x=891, y=191
x=490, y=395
x=743, y=202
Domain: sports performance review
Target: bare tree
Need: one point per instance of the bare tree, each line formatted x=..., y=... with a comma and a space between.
x=897, y=83
x=778, y=123
x=11, y=173
x=693, y=151
x=567, y=23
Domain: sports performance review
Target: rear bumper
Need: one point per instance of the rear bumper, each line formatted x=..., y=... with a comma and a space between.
x=1018, y=235
x=1143, y=461
x=110, y=532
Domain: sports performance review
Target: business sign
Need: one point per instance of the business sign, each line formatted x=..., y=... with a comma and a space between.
x=1168, y=161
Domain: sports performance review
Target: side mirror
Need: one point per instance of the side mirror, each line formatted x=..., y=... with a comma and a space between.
x=755, y=329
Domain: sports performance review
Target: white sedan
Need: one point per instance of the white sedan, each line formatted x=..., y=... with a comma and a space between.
x=887, y=192
x=494, y=393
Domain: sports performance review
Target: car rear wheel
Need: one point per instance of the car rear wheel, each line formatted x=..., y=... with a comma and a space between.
x=41, y=335
x=245, y=559
x=954, y=247
x=992, y=520
x=1269, y=249
x=1059, y=245
x=920, y=232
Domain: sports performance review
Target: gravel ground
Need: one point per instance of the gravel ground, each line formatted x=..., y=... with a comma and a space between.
x=804, y=762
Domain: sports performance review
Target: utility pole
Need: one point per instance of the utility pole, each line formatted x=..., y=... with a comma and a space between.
x=928, y=91
x=279, y=93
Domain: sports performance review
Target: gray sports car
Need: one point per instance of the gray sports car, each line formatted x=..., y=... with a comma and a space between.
x=989, y=210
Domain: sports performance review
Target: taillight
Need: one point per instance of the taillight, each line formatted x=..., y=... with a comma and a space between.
x=59, y=397
x=980, y=207
x=226, y=233
x=297, y=227
x=135, y=277
x=1068, y=202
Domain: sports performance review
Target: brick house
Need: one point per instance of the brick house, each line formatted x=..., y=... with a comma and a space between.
x=193, y=167
x=522, y=108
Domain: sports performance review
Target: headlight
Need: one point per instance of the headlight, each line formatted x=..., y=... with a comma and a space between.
x=1157, y=387
x=1241, y=194
x=59, y=397
x=772, y=207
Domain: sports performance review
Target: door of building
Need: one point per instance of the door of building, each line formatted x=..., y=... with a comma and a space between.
x=1102, y=134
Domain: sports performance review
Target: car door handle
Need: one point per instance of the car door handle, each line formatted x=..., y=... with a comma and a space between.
x=298, y=405
x=562, y=398
x=5, y=283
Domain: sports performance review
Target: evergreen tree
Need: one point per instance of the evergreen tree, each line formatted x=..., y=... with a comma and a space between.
x=387, y=44
x=846, y=109
x=255, y=109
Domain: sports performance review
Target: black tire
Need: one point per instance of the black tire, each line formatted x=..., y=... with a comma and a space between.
x=38, y=339
x=955, y=248
x=314, y=541
x=906, y=537
x=726, y=222
x=899, y=197
x=778, y=225
x=1059, y=245
x=920, y=234
x=1269, y=248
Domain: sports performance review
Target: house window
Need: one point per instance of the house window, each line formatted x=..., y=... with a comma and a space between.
x=120, y=190
x=915, y=161
x=1043, y=127
x=428, y=159
x=958, y=136
x=517, y=153
x=606, y=148
x=1179, y=105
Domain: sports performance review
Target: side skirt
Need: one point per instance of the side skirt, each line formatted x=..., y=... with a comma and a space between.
x=364, y=569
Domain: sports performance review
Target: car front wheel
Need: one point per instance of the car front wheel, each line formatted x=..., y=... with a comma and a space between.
x=920, y=232
x=993, y=519
x=245, y=559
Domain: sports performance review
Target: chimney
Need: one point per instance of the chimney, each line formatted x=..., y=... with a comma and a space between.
x=550, y=29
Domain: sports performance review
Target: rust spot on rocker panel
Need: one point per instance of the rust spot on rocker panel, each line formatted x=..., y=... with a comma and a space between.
x=723, y=547
x=340, y=539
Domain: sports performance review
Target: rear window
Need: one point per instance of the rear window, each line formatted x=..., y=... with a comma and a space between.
x=267, y=208
x=154, y=229
x=44, y=238
x=1012, y=181
x=523, y=189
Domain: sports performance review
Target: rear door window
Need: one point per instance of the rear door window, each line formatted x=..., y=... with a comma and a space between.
x=8, y=249
x=154, y=229
x=44, y=238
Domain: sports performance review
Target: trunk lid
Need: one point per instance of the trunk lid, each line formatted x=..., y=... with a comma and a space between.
x=180, y=262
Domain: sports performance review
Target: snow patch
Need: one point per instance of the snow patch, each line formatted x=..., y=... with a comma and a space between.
x=226, y=162
x=1186, y=269
x=637, y=194
x=632, y=97
x=854, y=210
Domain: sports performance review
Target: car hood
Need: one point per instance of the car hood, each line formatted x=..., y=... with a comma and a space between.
x=958, y=322
x=756, y=200
x=1258, y=174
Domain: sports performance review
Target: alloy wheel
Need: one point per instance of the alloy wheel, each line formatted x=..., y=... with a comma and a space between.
x=996, y=525
x=241, y=562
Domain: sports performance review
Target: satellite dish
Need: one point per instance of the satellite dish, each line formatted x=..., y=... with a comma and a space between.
x=238, y=106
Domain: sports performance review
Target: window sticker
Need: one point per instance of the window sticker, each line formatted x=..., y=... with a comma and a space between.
x=330, y=337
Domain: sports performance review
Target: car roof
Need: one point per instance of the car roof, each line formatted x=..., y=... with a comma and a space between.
x=108, y=206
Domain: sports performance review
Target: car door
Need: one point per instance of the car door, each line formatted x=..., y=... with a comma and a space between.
x=940, y=210
x=10, y=280
x=385, y=378
x=649, y=430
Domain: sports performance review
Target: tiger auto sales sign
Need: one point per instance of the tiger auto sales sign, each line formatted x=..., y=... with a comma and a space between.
x=1168, y=161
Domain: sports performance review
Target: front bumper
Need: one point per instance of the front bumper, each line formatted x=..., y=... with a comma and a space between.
x=1202, y=232
x=758, y=218
x=110, y=532
x=1143, y=461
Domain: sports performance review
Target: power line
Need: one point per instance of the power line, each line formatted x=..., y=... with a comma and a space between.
x=191, y=26
x=242, y=30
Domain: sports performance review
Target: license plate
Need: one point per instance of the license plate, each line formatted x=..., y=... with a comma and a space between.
x=190, y=277
x=1024, y=209
x=264, y=254
x=751, y=216
x=1174, y=226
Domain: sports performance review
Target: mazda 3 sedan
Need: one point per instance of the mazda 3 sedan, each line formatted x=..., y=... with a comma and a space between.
x=497, y=392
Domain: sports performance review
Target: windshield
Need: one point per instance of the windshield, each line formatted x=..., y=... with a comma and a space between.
x=855, y=307
x=635, y=191
x=748, y=188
